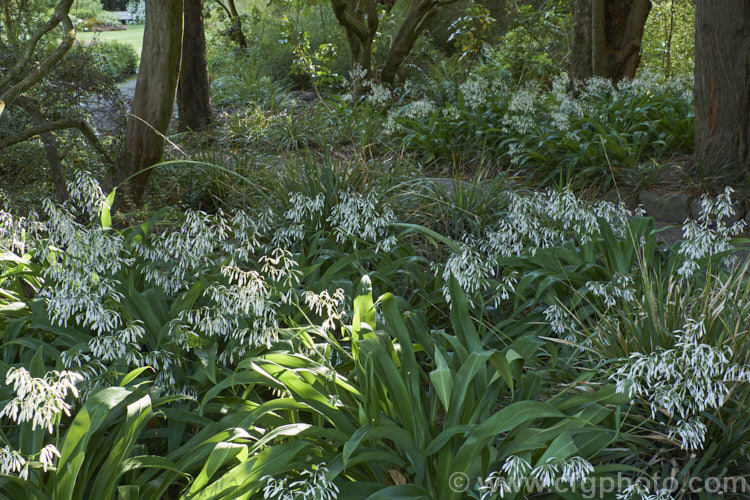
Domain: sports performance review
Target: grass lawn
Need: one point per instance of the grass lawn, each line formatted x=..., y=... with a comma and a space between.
x=133, y=35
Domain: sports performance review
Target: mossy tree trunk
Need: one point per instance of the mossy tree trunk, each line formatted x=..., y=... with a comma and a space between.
x=722, y=89
x=236, y=32
x=360, y=20
x=154, y=99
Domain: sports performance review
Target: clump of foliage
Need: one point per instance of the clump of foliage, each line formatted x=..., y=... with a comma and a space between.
x=592, y=132
x=113, y=60
x=239, y=354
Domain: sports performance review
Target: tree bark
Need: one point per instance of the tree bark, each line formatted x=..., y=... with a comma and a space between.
x=194, y=99
x=360, y=20
x=154, y=99
x=606, y=39
x=722, y=88
x=419, y=13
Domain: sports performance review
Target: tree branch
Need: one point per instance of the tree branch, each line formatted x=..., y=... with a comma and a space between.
x=348, y=20
x=33, y=42
x=60, y=16
x=223, y=6
x=50, y=147
x=66, y=123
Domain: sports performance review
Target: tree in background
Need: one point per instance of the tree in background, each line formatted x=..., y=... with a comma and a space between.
x=361, y=22
x=154, y=99
x=30, y=65
x=235, y=21
x=722, y=88
x=669, y=38
x=607, y=37
x=193, y=97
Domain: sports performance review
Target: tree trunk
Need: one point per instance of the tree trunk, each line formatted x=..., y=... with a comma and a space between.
x=193, y=90
x=419, y=13
x=607, y=37
x=722, y=88
x=154, y=97
x=360, y=20
x=236, y=34
x=360, y=61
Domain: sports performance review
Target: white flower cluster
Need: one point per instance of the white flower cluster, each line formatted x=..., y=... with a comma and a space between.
x=319, y=302
x=522, y=108
x=304, y=212
x=12, y=462
x=80, y=279
x=561, y=323
x=510, y=479
x=533, y=221
x=380, y=95
x=245, y=309
x=173, y=258
x=653, y=83
x=565, y=104
x=123, y=343
x=711, y=233
x=363, y=216
x=475, y=91
x=313, y=486
x=620, y=287
x=14, y=232
x=544, y=219
x=682, y=381
x=638, y=491
x=39, y=400
x=470, y=268
x=86, y=194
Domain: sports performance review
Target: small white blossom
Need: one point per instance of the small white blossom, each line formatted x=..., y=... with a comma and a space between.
x=516, y=467
x=546, y=473
x=313, y=486
x=691, y=433
x=47, y=456
x=12, y=462
x=576, y=470
x=322, y=301
x=39, y=400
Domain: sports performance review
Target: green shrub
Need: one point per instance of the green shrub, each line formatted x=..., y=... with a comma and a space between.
x=586, y=137
x=116, y=60
x=87, y=9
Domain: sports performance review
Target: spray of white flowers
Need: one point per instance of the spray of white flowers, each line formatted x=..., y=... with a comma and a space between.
x=517, y=473
x=619, y=288
x=711, y=233
x=313, y=485
x=683, y=381
x=533, y=221
x=39, y=400
x=326, y=305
